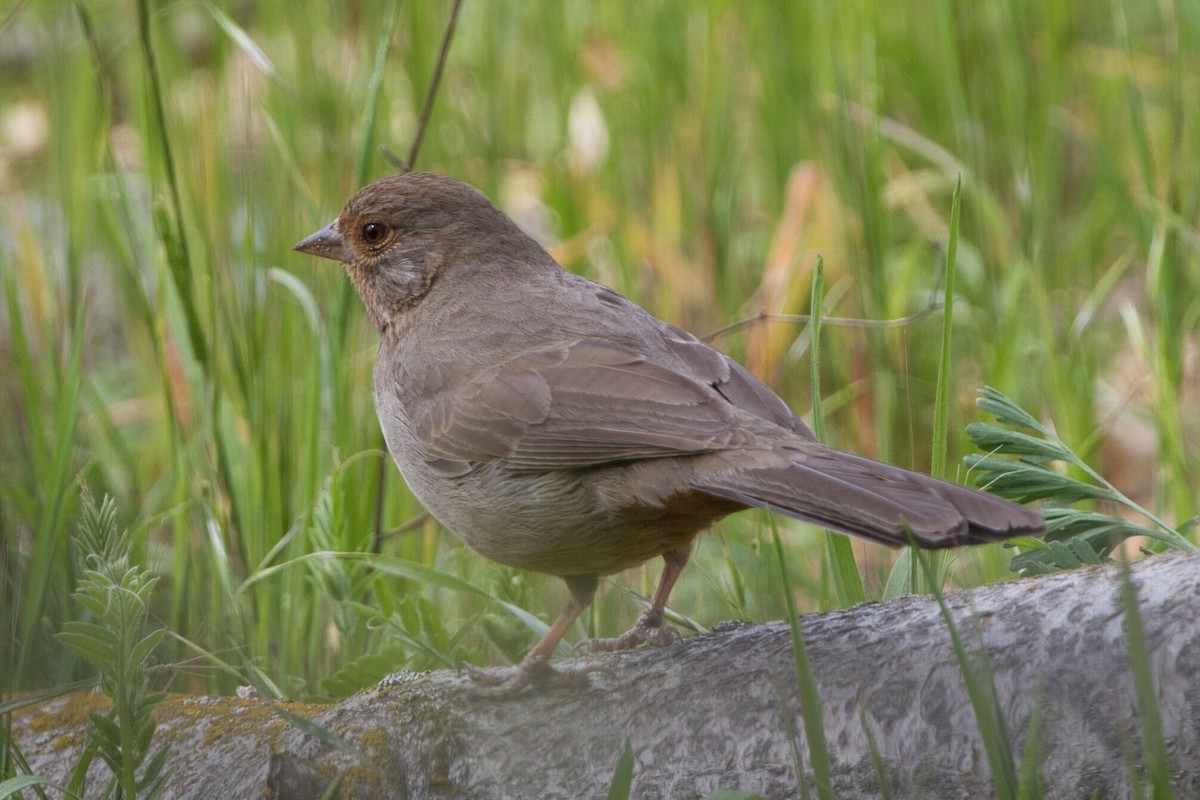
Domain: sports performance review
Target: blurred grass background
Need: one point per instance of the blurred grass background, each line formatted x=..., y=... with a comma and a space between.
x=160, y=342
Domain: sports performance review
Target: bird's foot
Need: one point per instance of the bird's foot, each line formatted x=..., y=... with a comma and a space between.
x=534, y=673
x=648, y=630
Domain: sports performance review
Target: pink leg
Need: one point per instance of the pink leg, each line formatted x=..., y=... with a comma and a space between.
x=649, y=627
x=535, y=668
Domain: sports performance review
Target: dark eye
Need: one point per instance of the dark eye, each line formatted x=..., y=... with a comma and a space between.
x=373, y=232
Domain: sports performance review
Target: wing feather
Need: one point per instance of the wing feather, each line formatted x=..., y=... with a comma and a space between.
x=582, y=404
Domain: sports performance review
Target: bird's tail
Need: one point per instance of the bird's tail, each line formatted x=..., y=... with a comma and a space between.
x=875, y=501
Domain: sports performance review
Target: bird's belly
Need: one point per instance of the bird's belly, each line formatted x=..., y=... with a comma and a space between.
x=559, y=522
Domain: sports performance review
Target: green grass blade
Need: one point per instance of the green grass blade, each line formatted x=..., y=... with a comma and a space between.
x=14, y=786
x=981, y=688
x=945, y=378
x=374, y=92
x=881, y=777
x=399, y=568
x=816, y=302
x=843, y=568
x=621, y=785
x=170, y=220
x=1155, y=761
x=810, y=696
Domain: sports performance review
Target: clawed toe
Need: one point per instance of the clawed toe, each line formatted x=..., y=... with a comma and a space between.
x=532, y=673
x=655, y=635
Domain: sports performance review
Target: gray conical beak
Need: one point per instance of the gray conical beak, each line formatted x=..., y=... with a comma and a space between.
x=326, y=243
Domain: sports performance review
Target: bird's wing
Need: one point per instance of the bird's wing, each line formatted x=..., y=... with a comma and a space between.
x=733, y=381
x=581, y=404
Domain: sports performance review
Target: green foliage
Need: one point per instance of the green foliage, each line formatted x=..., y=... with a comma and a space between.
x=905, y=578
x=366, y=670
x=877, y=765
x=985, y=700
x=114, y=595
x=1153, y=761
x=1074, y=537
x=621, y=785
x=810, y=700
x=843, y=570
x=13, y=786
x=159, y=338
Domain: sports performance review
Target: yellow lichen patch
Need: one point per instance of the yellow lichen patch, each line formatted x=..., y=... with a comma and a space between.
x=65, y=740
x=374, y=743
x=66, y=712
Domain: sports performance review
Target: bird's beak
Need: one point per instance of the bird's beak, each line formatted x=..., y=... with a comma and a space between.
x=327, y=243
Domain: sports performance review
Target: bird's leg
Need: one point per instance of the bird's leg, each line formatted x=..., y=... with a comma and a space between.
x=535, y=669
x=649, y=627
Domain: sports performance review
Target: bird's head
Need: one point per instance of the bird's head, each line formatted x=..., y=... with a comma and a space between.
x=402, y=233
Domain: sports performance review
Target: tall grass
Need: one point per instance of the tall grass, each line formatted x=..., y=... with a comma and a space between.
x=162, y=343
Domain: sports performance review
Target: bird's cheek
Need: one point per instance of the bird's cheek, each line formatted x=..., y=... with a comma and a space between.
x=404, y=280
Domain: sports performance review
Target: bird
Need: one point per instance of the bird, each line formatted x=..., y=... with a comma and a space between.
x=555, y=426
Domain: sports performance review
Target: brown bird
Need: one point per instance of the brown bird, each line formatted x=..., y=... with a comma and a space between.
x=555, y=426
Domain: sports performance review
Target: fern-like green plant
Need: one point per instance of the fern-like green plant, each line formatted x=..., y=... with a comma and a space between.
x=114, y=593
x=1074, y=537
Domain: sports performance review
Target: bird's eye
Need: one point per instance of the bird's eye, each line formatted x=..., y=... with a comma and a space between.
x=374, y=232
